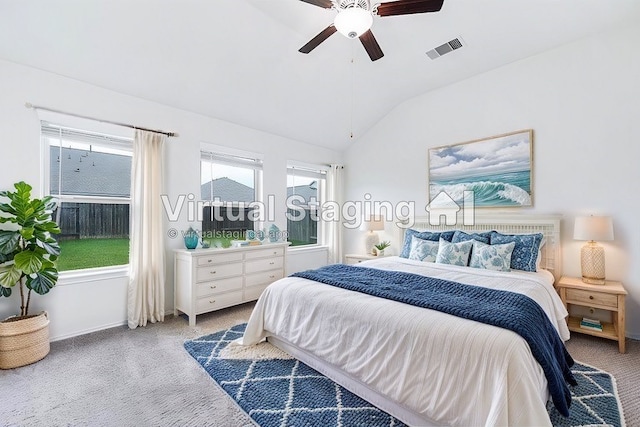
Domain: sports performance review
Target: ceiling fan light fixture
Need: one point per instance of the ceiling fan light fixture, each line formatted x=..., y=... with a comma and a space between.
x=353, y=22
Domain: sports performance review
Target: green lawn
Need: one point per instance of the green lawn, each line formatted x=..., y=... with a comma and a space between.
x=90, y=253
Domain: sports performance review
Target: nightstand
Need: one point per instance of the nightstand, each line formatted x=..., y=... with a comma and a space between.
x=357, y=258
x=609, y=297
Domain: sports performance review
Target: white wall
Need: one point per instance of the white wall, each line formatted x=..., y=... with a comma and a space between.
x=79, y=307
x=583, y=102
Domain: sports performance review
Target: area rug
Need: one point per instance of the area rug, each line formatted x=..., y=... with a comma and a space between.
x=278, y=390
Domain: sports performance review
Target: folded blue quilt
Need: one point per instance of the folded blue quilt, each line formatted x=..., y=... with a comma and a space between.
x=508, y=310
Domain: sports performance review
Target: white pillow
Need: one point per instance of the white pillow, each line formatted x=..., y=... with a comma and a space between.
x=491, y=257
x=423, y=250
x=454, y=253
x=539, y=259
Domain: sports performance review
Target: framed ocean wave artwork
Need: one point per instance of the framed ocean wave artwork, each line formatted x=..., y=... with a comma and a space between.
x=495, y=171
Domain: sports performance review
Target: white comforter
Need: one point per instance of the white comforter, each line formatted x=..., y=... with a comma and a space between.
x=447, y=369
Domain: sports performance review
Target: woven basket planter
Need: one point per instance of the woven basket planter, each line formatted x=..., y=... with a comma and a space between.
x=23, y=340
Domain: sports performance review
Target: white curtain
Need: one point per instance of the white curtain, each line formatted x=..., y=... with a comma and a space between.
x=333, y=229
x=146, y=252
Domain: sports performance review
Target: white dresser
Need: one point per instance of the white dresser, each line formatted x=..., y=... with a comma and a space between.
x=210, y=279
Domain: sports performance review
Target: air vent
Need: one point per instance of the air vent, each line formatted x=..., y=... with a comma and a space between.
x=445, y=48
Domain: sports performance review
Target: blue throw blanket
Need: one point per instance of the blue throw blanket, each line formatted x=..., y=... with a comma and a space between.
x=508, y=310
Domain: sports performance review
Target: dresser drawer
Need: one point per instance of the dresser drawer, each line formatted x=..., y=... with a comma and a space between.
x=215, y=302
x=263, y=264
x=206, y=274
x=218, y=259
x=263, y=253
x=266, y=277
x=592, y=298
x=218, y=286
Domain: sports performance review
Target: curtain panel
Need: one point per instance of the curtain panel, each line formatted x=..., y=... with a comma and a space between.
x=146, y=252
x=333, y=229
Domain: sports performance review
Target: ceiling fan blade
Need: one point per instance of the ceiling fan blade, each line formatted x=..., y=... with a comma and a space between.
x=371, y=45
x=327, y=4
x=408, y=7
x=314, y=42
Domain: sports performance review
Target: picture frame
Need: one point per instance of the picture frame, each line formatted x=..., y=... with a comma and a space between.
x=492, y=172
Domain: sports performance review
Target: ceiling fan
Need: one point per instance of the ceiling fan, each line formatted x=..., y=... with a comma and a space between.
x=355, y=17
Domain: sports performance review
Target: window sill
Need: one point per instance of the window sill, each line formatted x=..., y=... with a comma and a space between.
x=308, y=248
x=74, y=277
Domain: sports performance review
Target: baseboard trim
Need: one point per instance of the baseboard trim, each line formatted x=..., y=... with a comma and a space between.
x=88, y=331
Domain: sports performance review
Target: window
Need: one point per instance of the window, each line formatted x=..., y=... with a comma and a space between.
x=90, y=175
x=231, y=186
x=305, y=193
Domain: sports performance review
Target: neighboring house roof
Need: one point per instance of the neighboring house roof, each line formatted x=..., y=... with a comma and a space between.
x=227, y=190
x=89, y=173
x=306, y=191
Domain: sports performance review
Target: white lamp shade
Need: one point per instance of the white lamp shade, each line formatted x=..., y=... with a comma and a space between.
x=353, y=22
x=375, y=223
x=596, y=228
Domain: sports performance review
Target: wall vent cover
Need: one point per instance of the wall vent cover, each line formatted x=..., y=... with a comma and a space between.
x=443, y=49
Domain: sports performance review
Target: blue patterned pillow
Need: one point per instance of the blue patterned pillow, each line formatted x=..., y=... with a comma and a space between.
x=424, y=235
x=423, y=250
x=461, y=236
x=454, y=253
x=525, y=252
x=491, y=257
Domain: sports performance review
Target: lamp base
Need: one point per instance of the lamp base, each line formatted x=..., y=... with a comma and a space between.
x=592, y=262
x=371, y=240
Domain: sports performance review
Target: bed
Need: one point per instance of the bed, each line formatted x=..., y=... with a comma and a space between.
x=422, y=366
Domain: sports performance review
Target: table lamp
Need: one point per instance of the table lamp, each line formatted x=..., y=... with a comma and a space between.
x=373, y=224
x=592, y=228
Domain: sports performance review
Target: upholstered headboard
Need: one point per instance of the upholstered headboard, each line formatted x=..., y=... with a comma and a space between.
x=548, y=225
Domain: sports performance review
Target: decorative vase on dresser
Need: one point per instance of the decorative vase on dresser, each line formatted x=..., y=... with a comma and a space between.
x=211, y=279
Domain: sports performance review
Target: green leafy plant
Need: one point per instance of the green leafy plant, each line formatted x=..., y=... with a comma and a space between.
x=383, y=245
x=28, y=253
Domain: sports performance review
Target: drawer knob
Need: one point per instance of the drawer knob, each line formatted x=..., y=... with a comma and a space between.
x=275, y=253
x=590, y=296
x=271, y=263
x=272, y=277
x=212, y=272
x=212, y=301
x=209, y=260
x=213, y=287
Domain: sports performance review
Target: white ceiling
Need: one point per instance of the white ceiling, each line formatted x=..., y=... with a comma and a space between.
x=238, y=60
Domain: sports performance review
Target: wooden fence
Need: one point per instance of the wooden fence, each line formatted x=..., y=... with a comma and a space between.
x=302, y=229
x=221, y=220
x=92, y=220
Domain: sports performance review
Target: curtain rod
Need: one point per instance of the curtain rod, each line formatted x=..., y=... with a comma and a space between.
x=37, y=107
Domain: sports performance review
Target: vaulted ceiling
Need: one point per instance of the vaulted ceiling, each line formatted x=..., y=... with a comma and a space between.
x=238, y=60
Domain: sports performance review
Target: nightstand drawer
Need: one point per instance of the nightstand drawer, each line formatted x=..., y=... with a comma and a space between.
x=592, y=298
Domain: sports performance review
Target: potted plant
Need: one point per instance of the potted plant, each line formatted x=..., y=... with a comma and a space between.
x=27, y=260
x=380, y=247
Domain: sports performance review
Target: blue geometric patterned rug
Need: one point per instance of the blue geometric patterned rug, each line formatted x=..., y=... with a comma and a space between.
x=277, y=390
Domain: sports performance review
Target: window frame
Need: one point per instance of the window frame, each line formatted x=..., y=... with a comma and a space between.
x=319, y=172
x=235, y=158
x=96, y=139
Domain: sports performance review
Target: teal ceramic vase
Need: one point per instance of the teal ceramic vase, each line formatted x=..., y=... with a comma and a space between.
x=274, y=233
x=191, y=238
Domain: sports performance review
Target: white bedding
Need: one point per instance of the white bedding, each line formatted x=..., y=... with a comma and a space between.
x=444, y=368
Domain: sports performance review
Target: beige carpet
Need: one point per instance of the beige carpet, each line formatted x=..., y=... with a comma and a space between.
x=145, y=377
x=603, y=354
